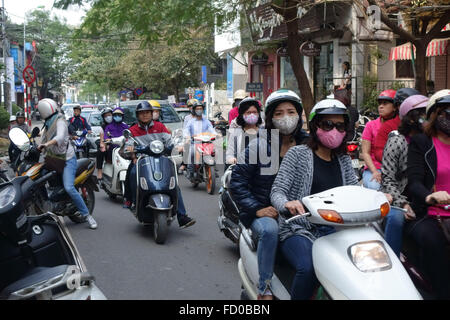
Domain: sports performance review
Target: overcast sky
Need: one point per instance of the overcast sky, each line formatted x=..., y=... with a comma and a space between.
x=17, y=9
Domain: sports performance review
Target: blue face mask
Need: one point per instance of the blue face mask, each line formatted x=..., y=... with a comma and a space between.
x=117, y=118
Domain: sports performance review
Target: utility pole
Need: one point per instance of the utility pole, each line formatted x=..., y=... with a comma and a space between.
x=6, y=86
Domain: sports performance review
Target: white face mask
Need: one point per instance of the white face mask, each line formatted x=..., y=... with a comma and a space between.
x=199, y=112
x=108, y=119
x=287, y=124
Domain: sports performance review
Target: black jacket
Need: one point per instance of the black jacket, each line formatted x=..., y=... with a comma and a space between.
x=422, y=168
x=250, y=184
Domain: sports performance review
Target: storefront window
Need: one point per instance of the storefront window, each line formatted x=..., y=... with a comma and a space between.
x=323, y=72
x=287, y=76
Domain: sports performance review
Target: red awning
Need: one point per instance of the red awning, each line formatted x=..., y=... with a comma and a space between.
x=437, y=47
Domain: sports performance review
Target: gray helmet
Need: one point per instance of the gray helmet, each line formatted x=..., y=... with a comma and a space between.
x=106, y=110
x=402, y=94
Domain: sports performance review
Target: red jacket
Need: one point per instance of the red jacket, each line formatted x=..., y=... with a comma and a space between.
x=234, y=113
x=382, y=136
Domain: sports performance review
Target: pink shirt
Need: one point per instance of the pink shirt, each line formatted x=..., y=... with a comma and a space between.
x=234, y=113
x=443, y=174
x=369, y=134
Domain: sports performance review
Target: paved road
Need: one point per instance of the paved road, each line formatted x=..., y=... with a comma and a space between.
x=195, y=263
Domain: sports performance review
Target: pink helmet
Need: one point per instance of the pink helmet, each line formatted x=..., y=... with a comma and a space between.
x=413, y=102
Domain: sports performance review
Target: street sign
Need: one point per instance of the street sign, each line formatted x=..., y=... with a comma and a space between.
x=29, y=75
x=254, y=87
x=138, y=92
x=310, y=49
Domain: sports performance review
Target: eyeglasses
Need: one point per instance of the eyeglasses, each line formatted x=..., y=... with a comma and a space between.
x=247, y=113
x=328, y=125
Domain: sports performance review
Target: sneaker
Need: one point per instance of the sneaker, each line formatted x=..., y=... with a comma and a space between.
x=184, y=221
x=92, y=222
x=127, y=204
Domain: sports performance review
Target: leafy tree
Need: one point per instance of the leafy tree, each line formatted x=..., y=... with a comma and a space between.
x=52, y=36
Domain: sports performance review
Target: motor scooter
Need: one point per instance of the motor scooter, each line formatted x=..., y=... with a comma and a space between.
x=54, y=198
x=355, y=262
x=38, y=258
x=204, y=162
x=228, y=219
x=80, y=144
x=114, y=173
x=156, y=181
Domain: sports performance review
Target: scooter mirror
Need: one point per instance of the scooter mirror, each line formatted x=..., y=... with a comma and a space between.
x=20, y=139
x=127, y=133
x=35, y=132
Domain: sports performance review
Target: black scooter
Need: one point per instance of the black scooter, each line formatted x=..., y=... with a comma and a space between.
x=228, y=219
x=157, y=181
x=38, y=258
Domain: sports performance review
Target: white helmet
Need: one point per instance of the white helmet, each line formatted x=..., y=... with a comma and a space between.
x=47, y=107
x=440, y=97
x=12, y=118
x=239, y=94
x=328, y=106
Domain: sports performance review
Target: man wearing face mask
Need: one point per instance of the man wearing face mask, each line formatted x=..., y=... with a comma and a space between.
x=198, y=124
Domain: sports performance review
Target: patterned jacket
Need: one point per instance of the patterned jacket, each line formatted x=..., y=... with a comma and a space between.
x=294, y=182
x=393, y=169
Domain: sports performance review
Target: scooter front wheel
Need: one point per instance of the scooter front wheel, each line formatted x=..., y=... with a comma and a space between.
x=160, y=227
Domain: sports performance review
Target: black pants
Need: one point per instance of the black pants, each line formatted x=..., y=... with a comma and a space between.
x=103, y=156
x=433, y=255
x=127, y=196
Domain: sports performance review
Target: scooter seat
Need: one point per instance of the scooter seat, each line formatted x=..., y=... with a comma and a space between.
x=82, y=164
x=34, y=276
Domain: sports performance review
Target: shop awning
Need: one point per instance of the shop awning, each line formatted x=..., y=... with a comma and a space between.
x=437, y=47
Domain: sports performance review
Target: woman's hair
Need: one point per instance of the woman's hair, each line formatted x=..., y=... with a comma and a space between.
x=406, y=127
x=430, y=128
x=314, y=142
x=299, y=134
x=240, y=118
x=347, y=64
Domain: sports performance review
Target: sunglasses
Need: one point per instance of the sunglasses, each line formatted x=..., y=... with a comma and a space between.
x=328, y=125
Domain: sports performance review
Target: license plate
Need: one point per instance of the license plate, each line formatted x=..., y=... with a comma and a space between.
x=355, y=163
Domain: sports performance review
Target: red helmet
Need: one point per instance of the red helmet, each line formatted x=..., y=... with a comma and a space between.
x=387, y=95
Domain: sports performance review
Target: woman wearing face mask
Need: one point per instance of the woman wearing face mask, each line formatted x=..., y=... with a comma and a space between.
x=107, y=119
x=320, y=165
x=113, y=130
x=253, y=175
x=248, y=121
x=394, y=164
x=429, y=189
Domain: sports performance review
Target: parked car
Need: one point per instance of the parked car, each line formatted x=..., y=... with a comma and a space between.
x=182, y=112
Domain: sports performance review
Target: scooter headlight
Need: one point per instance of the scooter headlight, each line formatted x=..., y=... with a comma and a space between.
x=370, y=256
x=156, y=147
x=7, y=196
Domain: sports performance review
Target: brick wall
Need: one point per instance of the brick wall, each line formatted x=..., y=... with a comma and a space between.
x=442, y=73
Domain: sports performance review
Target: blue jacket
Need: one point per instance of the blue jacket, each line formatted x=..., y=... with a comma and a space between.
x=251, y=182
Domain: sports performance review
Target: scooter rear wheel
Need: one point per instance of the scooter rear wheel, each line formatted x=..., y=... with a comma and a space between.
x=210, y=179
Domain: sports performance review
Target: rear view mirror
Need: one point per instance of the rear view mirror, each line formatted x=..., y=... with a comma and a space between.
x=20, y=139
x=127, y=133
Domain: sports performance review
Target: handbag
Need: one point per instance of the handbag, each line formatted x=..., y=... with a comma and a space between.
x=55, y=162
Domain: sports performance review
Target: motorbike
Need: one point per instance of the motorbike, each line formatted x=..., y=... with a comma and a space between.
x=38, y=258
x=156, y=181
x=81, y=144
x=228, y=219
x=114, y=173
x=355, y=262
x=204, y=162
x=54, y=198
x=353, y=152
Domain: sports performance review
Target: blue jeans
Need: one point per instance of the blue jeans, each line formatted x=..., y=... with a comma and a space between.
x=266, y=229
x=69, y=173
x=298, y=251
x=367, y=175
x=181, y=209
x=393, y=230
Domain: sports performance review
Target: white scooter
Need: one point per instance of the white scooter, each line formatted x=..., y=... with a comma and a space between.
x=355, y=262
x=114, y=173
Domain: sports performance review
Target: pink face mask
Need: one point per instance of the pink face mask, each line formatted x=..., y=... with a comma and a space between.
x=330, y=139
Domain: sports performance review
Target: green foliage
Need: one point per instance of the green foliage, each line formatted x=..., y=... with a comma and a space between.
x=372, y=91
x=4, y=118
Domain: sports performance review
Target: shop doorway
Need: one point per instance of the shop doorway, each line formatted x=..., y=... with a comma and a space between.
x=323, y=72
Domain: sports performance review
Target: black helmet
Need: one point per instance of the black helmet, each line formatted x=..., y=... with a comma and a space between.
x=106, y=110
x=194, y=104
x=20, y=114
x=402, y=94
x=247, y=103
x=77, y=107
x=143, y=106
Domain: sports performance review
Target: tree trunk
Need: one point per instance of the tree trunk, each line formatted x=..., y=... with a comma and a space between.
x=293, y=43
x=420, y=64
